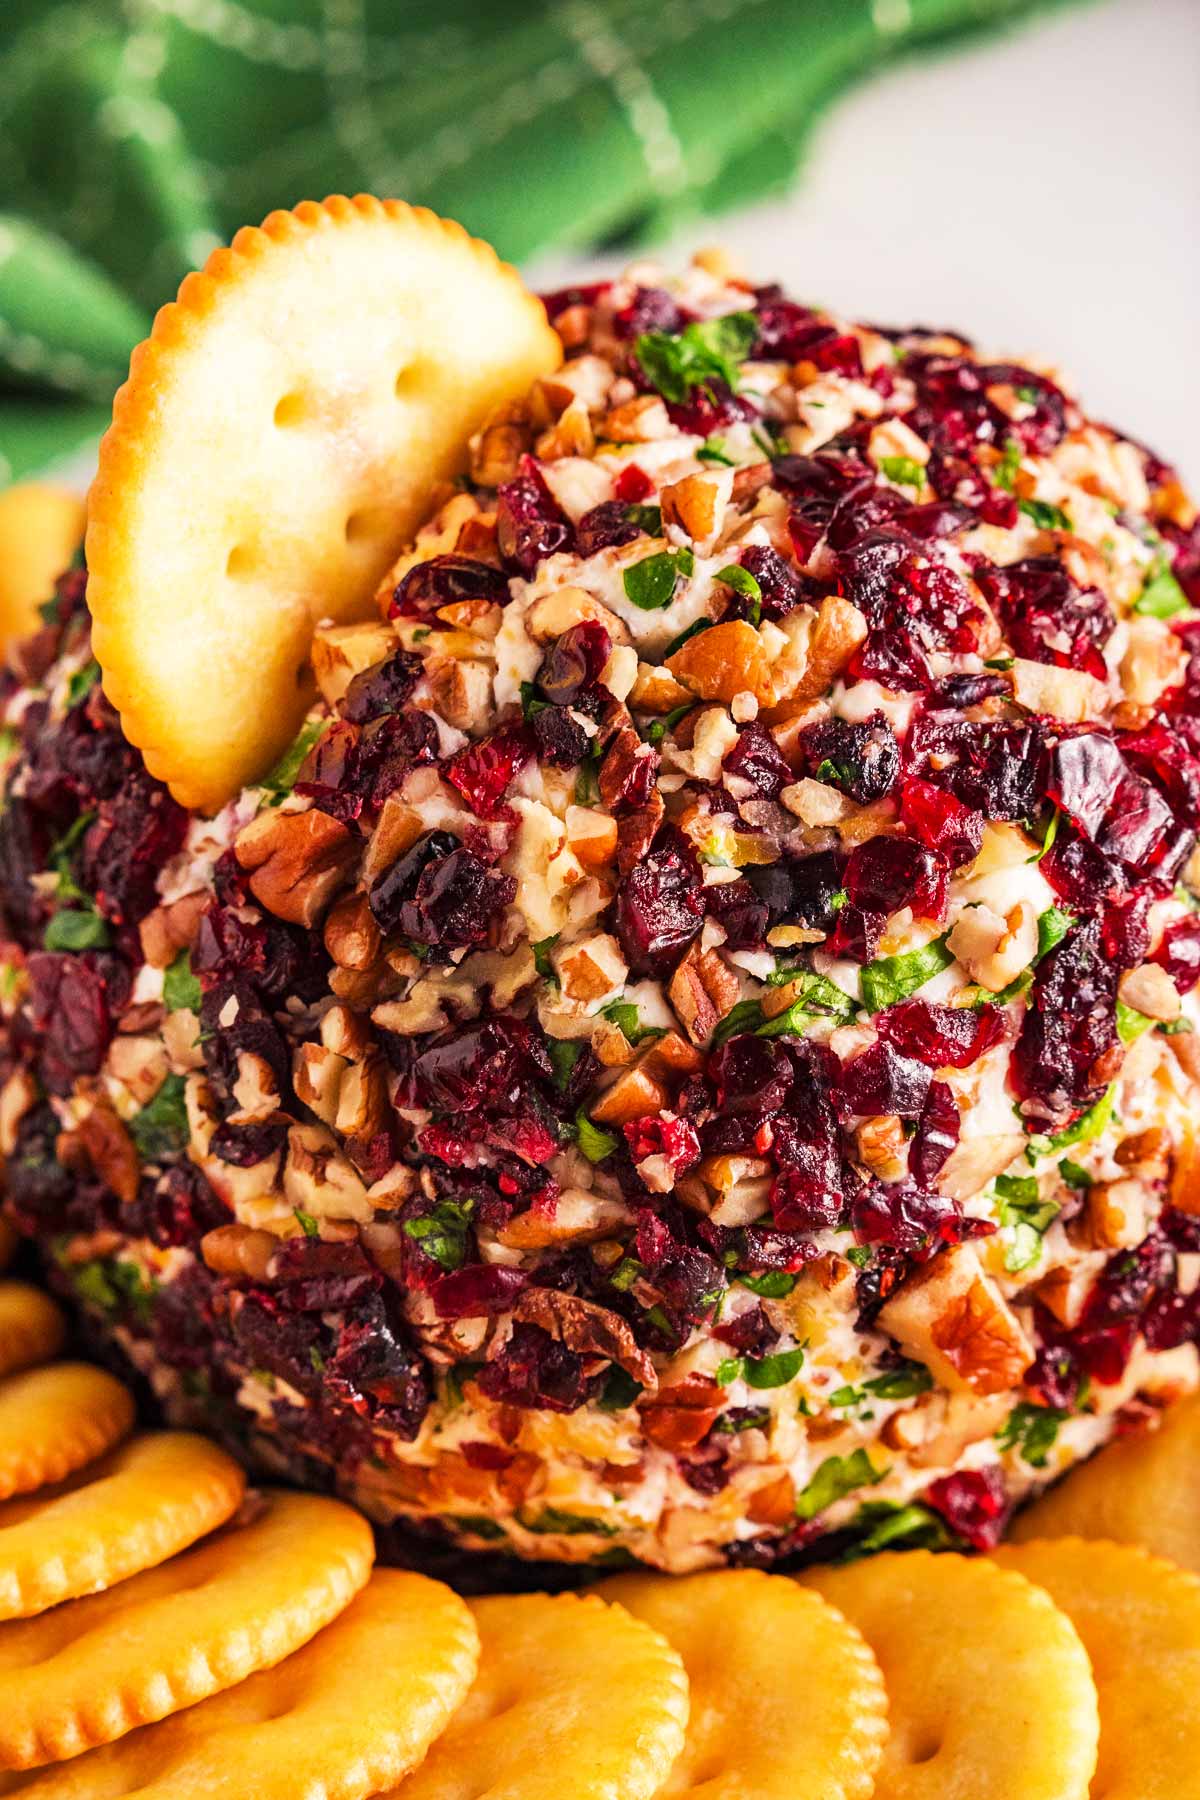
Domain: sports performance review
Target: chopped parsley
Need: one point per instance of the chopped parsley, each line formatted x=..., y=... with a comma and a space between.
x=1131, y=1024
x=740, y=580
x=690, y=631
x=306, y=1222
x=657, y=729
x=1027, y=1215
x=1087, y=1126
x=894, y=1525
x=1162, y=597
x=587, y=780
x=620, y=1390
x=442, y=1232
x=1045, y=516
x=1073, y=1175
x=892, y=978
x=651, y=583
x=564, y=1054
x=541, y=957
x=904, y=470
x=181, y=989
x=280, y=780
x=705, y=350
x=160, y=1129
x=595, y=1143
x=646, y=518
x=624, y=1015
x=837, y=1477
x=773, y=1284
x=76, y=929
x=713, y=450
x=1053, y=926
x=1005, y=472
x=1031, y=1431
x=82, y=682
x=762, y=1371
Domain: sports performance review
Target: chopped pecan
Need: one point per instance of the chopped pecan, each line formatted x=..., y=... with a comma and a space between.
x=725, y=660
x=340, y=652
x=953, y=1317
x=636, y=832
x=506, y=436
x=587, y=1329
x=697, y=505
x=352, y=937
x=679, y=1416
x=299, y=860
x=396, y=830
x=167, y=930
x=632, y=1095
x=703, y=990
x=774, y=1503
x=839, y=630
x=17, y=1096
x=628, y=770
x=100, y=1141
x=238, y=1250
x=462, y=691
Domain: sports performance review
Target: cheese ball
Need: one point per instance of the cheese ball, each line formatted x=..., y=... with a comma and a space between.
x=691, y=1057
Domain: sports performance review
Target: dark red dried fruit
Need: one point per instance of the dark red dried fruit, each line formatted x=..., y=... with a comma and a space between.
x=529, y=523
x=383, y=688
x=606, y=527
x=911, y=1220
x=1069, y=1026
x=442, y=580
x=887, y=873
x=1121, y=813
x=861, y=759
x=660, y=905
x=484, y=771
x=535, y=1370
x=1047, y=616
x=975, y=1505
x=941, y=821
x=998, y=770
x=1179, y=952
x=944, y=1037
x=881, y=1080
x=757, y=758
x=673, y=1139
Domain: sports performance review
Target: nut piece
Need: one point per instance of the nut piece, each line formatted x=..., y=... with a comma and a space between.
x=1069, y=694
x=591, y=836
x=299, y=862
x=588, y=1329
x=169, y=929
x=994, y=950
x=952, y=1317
x=839, y=630
x=340, y=652
x=352, y=937
x=555, y=613
x=1150, y=990
x=238, y=1250
x=703, y=989
x=726, y=660
x=102, y=1142
x=634, y=1093
x=697, y=505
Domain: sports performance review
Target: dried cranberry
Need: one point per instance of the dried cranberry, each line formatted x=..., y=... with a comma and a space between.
x=757, y=758
x=974, y=1503
x=660, y=905
x=562, y=739
x=443, y=580
x=440, y=895
x=781, y=588
x=1179, y=952
x=487, y=1064
x=673, y=1139
x=372, y=1360
x=1069, y=1026
x=574, y=663
x=861, y=759
x=529, y=523
x=1047, y=616
x=912, y=1220
x=1120, y=812
x=944, y=1037
x=535, y=1370
x=477, y=1291
x=246, y=1145
x=651, y=309
x=881, y=1080
x=383, y=688
x=996, y=769
x=633, y=485
x=606, y=527
x=484, y=771
x=941, y=821
x=887, y=873
x=804, y=890
x=71, y=1006
x=390, y=747
x=136, y=832
x=329, y=773
x=742, y=915
x=936, y=1135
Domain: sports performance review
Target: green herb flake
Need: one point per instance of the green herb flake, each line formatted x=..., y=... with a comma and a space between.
x=1074, y=1176
x=904, y=470
x=657, y=730
x=82, y=682
x=1031, y=1431
x=690, y=631
x=531, y=701
x=1023, y=1211
x=541, y=958
x=904, y=1382
x=837, y=1477
x=646, y=518
x=160, y=1129
x=181, y=989
x=1045, y=516
x=1005, y=472
x=762, y=1371
x=713, y=450
x=620, y=1390
x=1053, y=926
x=564, y=1054
x=740, y=580
x=593, y=1142
x=894, y=1525
x=587, y=781
x=1091, y=1124
x=442, y=1232
x=553, y=1521
x=705, y=350
x=859, y=1255
x=650, y=584
x=1131, y=1024
x=81, y=929
x=773, y=1284
x=1162, y=597
x=892, y=978
x=280, y=780
x=306, y=1222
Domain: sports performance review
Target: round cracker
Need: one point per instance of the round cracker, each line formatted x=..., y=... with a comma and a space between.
x=753, y=1728
x=345, y=1717
x=8, y=1243
x=1139, y=1490
x=573, y=1697
x=144, y=1502
x=990, y=1693
x=283, y=432
x=41, y=527
x=1139, y=1618
x=55, y=1420
x=241, y=1600
x=32, y=1327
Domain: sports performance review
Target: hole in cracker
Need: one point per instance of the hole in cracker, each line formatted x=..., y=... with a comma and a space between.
x=924, y=1748
x=368, y=524
x=293, y=409
x=239, y=562
x=411, y=379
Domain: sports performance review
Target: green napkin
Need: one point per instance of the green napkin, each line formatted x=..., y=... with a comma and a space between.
x=136, y=134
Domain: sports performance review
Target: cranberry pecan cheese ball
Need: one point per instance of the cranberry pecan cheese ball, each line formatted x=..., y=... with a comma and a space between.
x=692, y=1053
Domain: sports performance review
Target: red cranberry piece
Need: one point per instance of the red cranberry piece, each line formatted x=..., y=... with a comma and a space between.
x=941, y=822
x=1063, y=1055
x=944, y=1037
x=587, y=293
x=996, y=769
x=651, y=309
x=781, y=587
x=660, y=905
x=488, y=1064
x=562, y=740
x=1047, y=616
x=881, y=1080
x=484, y=771
x=605, y=527
x=887, y=873
x=383, y=688
x=329, y=773
x=856, y=933
x=1125, y=929
x=751, y=1332
x=936, y=1135
x=389, y=748
x=751, y=1075
x=974, y=1504
x=757, y=758
x=442, y=580
x=69, y=1011
x=534, y=1370
x=674, y=1139
x=529, y=523
x=477, y=1291
x=138, y=831
x=1179, y=952
x=454, y=901
x=574, y=663
x=861, y=759
x=802, y=890
x=743, y=916
x=912, y=1220
x=633, y=485
x=1124, y=816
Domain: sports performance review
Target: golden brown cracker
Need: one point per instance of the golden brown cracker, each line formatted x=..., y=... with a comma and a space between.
x=755, y=1729
x=1139, y=1618
x=343, y=1718
x=90, y=1670
x=56, y=1419
x=41, y=527
x=990, y=1693
x=298, y=406
x=32, y=1327
x=144, y=1502
x=573, y=1697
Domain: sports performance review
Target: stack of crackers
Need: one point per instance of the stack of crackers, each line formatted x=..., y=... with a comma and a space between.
x=169, y=1633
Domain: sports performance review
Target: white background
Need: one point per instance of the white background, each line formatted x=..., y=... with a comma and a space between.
x=1040, y=191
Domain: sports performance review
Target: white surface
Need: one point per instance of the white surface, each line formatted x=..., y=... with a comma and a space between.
x=1039, y=191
